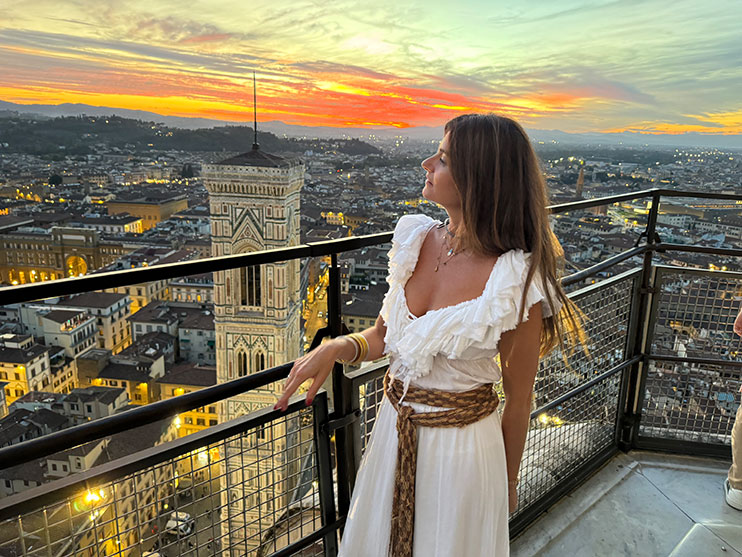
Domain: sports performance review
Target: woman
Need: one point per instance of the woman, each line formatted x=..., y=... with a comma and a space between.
x=440, y=472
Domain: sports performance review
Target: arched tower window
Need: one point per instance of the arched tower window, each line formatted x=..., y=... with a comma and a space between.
x=250, y=286
x=259, y=361
x=241, y=364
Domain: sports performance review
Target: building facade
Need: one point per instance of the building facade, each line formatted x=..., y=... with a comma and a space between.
x=24, y=365
x=186, y=378
x=111, y=312
x=254, y=201
x=34, y=254
x=150, y=210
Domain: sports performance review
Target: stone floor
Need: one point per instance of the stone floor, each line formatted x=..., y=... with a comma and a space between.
x=641, y=504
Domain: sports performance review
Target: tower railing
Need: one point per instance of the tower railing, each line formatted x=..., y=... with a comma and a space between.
x=647, y=359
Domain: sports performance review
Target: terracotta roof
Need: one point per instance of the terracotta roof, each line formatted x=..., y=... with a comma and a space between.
x=364, y=303
x=62, y=315
x=124, y=372
x=21, y=355
x=93, y=300
x=104, y=395
x=256, y=157
x=190, y=374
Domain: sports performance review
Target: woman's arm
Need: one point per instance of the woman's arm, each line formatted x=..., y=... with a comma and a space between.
x=317, y=364
x=519, y=354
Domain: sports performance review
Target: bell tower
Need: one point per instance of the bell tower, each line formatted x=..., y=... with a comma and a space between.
x=254, y=202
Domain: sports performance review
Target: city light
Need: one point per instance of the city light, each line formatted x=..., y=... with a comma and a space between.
x=92, y=497
x=545, y=420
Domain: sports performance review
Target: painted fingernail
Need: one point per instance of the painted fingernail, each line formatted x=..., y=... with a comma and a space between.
x=309, y=401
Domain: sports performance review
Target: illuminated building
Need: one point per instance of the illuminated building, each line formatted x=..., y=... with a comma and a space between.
x=111, y=312
x=24, y=365
x=34, y=254
x=73, y=330
x=194, y=288
x=137, y=374
x=118, y=224
x=151, y=209
x=186, y=378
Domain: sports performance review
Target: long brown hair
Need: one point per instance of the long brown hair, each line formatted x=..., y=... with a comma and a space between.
x=503, y=200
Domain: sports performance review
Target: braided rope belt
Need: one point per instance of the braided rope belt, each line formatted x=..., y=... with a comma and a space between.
x=465, y=408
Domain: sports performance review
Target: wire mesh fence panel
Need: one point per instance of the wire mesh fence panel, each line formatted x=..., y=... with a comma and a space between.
x=249, y=493
x=561, y=440
x=690, y=402
x=695, y=314
x=694, y=318
x=371, y=395
x=607, y=310
x=560, y=443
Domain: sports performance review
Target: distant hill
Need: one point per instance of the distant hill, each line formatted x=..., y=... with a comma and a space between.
x=78, y=135
x=421, y=132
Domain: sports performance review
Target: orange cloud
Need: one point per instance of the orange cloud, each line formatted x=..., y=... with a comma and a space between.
x=729, y=120
x=194, y=77
x=657, y=128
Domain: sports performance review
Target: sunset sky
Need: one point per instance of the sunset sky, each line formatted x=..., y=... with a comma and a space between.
x=572, y=65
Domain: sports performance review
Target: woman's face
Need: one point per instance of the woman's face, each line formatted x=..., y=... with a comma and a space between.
x=439, y=185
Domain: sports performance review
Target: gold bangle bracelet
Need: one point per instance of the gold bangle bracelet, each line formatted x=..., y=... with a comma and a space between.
x=356, y=346
x=363, y=346
x=364, y=343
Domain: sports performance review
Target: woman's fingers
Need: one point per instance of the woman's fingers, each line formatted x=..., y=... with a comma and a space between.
x=293, y=382
x=316, y=365
x=317, y=382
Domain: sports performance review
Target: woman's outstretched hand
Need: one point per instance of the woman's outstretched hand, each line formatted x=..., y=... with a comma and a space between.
x=316, y=365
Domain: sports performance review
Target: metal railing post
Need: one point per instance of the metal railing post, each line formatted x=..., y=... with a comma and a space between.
x=624, y=423
x=342, y=394
x=631, y=411
x=324, y=472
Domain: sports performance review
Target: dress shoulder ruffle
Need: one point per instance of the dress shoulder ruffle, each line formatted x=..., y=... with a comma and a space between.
x=407, y=240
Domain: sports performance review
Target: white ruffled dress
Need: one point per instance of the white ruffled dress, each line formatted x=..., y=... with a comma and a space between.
x=461, y=485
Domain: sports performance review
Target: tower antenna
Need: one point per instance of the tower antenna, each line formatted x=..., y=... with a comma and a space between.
x=255, y=145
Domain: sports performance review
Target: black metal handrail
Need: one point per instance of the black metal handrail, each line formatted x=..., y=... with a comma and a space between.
x=46, y=445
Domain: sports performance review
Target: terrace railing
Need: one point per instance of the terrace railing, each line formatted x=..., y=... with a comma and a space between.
x=658, y=374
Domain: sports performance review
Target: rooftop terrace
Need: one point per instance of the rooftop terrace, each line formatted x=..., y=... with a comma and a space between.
x=625, y=455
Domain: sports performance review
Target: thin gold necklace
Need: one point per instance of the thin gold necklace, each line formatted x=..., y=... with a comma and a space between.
x=451, y=253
